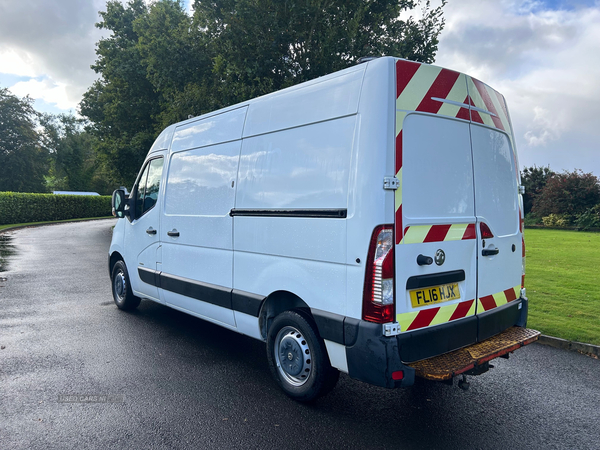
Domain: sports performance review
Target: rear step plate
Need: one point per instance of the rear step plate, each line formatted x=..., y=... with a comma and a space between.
x=449, y=365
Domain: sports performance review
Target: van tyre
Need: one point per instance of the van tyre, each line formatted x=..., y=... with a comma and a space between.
x=298, y=358
x=121, y=288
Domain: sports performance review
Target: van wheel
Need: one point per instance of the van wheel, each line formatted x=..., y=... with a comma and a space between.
x=298, y=358
x=121, y=288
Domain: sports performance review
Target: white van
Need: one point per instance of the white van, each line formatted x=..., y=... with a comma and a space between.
x=366, y=222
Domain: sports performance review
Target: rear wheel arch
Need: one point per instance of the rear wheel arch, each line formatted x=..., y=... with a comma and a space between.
x=276, y=303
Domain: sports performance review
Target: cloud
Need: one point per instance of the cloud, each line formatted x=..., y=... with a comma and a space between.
x=545, y=128
x=18, y=63
x=545, y=59
x=46, y=90
x=54, y=39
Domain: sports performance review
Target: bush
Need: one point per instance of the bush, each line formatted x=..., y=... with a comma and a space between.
x=531, y=219
x=25, y=208
x=534, y=179
x=556, y=220
x=568, y=193
x=589, y=219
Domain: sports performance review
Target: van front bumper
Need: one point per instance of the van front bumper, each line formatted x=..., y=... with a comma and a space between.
x=373, y=358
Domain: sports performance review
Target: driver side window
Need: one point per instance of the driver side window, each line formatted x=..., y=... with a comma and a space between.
x=146, y=191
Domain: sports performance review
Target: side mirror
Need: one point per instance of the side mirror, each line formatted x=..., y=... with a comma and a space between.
x=118, y=203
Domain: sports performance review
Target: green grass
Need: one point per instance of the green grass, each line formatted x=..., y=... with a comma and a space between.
x=16, y=225
x=563, y=283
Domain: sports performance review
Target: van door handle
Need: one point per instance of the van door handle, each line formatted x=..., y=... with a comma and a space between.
x=151, y=231
x=490, y=252
x=423, y=260
x=173, y=233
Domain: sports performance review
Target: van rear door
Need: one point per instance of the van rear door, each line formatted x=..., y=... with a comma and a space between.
x=458, y=241
x=497, y=208
x=437, y=251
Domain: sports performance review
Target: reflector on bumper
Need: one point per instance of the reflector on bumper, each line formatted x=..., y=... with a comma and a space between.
x=449, y=365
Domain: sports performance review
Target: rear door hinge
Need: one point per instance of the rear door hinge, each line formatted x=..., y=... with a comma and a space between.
x=391, y=329
x=391, y=183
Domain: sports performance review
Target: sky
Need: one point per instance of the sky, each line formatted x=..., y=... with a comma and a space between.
x=544, y=56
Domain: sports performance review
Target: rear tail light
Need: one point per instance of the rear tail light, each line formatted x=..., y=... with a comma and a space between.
x=378, y=296
x=486, y=233
x=521, y=220
x=523, y=264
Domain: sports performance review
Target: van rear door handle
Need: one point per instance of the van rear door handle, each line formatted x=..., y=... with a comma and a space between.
x=423, y=260
x=151, y=231
x=490, y=252
x=173, y=233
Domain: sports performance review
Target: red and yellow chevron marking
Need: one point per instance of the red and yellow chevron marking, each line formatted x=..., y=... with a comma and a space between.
x=484, y=97
x=501, y=298
x=431, y=89
x=435, y=316
x=438, y=233
x=418, y=88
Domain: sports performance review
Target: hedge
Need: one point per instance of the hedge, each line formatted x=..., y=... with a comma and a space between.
x=24, y=208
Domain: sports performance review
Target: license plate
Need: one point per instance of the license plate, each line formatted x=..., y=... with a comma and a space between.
x=434, y=294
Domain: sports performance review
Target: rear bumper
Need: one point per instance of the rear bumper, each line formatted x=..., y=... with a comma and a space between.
x=373, y=357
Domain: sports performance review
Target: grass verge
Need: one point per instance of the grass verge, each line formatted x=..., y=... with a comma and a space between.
x=562, y=280
x=18, y=225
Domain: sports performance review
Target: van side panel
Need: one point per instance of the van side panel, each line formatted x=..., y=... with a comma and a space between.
x=369, y=204
x=319, y=284
x=215, y=129
x=298, y=168
x=287, y=184
x=316, y=101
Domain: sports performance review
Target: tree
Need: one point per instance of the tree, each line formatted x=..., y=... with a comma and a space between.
x=262, y=46
x=161, y=65
x=74, y=166
x=23, y=162
x=122, y=104
x=176, y=60
x=534, y=179
x=568, y=193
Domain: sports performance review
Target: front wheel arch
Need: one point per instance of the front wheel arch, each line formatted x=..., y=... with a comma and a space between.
x=121, y=287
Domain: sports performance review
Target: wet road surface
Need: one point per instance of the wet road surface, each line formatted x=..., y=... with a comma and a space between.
x=75, y=372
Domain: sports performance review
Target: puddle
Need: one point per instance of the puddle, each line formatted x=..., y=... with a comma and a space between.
x=6, y=250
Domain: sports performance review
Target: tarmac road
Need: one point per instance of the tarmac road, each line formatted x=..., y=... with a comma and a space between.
x=178, y=382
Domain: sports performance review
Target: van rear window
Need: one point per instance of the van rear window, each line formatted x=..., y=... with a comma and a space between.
x=437, y=172
x=495, y=180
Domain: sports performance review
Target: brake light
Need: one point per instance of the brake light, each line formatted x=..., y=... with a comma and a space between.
x=523, y=264
x=521, y=220
x=486, y=233
x=378, y=295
